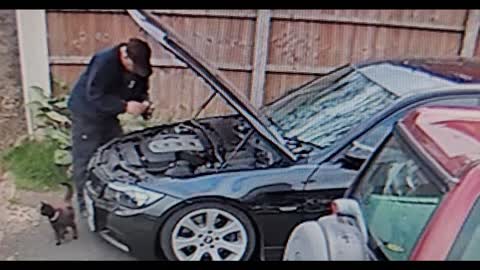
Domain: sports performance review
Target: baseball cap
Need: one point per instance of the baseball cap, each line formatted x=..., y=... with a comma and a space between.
x=140, y=53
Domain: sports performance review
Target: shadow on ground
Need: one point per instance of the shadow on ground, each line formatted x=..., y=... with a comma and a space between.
x=25, y=235
x=39, y=244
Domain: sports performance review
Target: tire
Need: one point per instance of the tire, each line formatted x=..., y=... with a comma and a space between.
x=186, y=236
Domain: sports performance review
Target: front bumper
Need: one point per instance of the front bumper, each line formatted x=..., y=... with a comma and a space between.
x=135, y=233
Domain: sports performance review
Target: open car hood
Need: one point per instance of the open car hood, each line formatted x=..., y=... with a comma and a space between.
x=167, y=37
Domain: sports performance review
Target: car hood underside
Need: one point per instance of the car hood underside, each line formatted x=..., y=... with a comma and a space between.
x=167, y=37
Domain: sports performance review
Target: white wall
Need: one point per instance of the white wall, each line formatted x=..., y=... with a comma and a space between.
x=33, y=50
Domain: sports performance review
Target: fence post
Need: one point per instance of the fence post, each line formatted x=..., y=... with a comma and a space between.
x=260, y=54
x=471, y=33
x=33, y=51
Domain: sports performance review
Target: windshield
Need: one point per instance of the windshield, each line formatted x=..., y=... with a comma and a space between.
x=397, y=200
x=323, y=111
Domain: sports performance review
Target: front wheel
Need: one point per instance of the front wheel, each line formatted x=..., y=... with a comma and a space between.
x=208, y=231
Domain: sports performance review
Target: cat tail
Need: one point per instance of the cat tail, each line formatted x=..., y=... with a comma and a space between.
x=69, y=194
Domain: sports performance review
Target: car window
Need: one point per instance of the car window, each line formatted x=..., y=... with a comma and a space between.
x=317, y=83
x=372, y=137
x=364, y=146
x=397, y=199
x=467, y=244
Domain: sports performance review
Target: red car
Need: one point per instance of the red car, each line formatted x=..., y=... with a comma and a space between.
x=417, y=198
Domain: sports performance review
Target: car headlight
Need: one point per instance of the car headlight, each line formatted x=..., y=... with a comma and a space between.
x=131, y=196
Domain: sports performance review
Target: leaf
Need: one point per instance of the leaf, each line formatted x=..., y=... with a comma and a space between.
x=60, y=85
x=131, y=123
x=39, y=134
x=38, y=94
x=58, y=117
x=57, y=135
x=64, y=146
x=62, y=104
x=152, y=124
x=395, y=247
x=53, y=100
x=52, y=121
x=62, y=157
x=37, y=104
x=39, y=91
x=70, y=171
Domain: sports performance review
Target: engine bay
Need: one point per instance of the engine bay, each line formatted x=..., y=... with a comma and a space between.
x=187, y=149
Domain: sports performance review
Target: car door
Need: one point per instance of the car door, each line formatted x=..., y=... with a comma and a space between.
x=339, y=171
x=466, y=246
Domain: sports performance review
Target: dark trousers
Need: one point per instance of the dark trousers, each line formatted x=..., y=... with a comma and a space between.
x=87, y=135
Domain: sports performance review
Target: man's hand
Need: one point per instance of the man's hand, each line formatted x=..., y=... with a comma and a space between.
x=136, y=108
x=147, y=114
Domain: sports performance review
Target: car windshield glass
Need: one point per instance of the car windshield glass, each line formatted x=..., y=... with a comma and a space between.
x=397, y=200
x=322, y=112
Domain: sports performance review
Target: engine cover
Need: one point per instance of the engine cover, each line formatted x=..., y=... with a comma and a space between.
x=165, y=143
x=161, y=150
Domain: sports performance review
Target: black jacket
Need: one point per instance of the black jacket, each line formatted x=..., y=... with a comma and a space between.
x=104, y=87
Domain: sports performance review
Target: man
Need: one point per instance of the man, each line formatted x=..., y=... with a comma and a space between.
x=114, y=82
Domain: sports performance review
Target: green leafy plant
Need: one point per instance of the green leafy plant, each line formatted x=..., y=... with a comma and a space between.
x=32, y=165
x=52, y=120
x=131, y=123
x=44, y=159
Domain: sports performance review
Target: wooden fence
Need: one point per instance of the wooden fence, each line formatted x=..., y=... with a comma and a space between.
x=263, y=52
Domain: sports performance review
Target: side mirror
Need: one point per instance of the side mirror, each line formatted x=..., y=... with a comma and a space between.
x=357, y=155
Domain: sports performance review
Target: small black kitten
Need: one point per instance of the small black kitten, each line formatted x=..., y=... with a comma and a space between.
x=61, y=217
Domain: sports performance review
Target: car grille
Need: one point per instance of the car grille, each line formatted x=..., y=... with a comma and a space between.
x=97, y=184
x=101, y=217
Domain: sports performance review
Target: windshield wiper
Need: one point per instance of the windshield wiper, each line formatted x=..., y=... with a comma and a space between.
x=295, y=145
x=299, y=147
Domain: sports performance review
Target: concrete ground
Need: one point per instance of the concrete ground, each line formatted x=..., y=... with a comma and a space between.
x=26, y=235
x=38, y=244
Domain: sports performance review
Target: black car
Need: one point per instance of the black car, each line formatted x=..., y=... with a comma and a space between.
x=233, y=187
